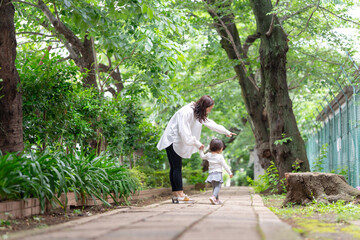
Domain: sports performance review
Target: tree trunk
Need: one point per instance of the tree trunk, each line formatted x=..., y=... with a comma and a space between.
x=269, y=107
x=11, y=132
x=282, y=123
x=253, y=97
x=305, y=188
x=88, y=63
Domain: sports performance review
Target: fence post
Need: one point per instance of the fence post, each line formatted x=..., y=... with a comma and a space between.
x=325, y=128
x=353, y=62
x=330, y=158
x=317, y=137
x=347, y=109
x=355, y=140
x=335, y=124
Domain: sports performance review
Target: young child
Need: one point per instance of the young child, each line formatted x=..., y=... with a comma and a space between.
x=216, y=163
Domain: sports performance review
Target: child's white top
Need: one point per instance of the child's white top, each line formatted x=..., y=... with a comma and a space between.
x=216, y=162
x=183, y=131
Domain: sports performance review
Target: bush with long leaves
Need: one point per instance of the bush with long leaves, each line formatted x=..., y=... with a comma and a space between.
x=48, y=175
x=12, y=179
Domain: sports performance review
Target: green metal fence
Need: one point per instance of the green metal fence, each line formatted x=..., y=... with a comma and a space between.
x=335, y=146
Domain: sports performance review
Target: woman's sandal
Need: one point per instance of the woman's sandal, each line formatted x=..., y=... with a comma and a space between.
x=185, y=199
x=175, y=199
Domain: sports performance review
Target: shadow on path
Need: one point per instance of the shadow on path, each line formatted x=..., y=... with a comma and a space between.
x=242, y=216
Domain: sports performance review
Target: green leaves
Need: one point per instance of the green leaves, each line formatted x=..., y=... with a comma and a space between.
x=148, y=10
x=67, y=3
x=48, y=175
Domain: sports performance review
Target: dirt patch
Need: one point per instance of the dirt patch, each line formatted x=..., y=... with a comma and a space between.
x=59, y=216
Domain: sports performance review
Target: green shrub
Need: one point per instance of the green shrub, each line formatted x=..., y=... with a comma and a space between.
x=154, y=178
x=260, y=185
x=250, y=171
x=319, y=162
x=47, y=175
x=12, y=179
x=193, y=176
x=269, y=180
x=240, y=179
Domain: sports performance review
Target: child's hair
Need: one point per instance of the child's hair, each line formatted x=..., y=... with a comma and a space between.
x=216, y=145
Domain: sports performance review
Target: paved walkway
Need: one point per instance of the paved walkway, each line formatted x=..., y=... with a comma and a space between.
x=242, y=216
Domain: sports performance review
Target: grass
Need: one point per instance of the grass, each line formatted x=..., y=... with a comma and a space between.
x=318, y=220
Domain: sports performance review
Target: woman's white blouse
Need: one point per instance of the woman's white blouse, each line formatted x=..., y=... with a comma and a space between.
x=216, y=162
x=183, y=131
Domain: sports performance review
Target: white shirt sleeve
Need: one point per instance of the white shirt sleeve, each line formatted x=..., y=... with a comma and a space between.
x=202, y=155
x=216, y=127
x=225, y=166
x=185, y=131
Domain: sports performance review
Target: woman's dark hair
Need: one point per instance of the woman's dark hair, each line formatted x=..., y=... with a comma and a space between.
x=200, y=107
x=216, y=145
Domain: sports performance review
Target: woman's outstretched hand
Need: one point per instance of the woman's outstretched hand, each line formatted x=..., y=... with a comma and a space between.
x=231, y=134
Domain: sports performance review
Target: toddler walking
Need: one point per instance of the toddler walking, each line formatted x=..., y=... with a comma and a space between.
x=216, y=163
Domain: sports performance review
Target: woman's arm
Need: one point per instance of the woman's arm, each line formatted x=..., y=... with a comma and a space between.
x=217, y=127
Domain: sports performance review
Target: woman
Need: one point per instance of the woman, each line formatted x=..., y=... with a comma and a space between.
x=181, y=140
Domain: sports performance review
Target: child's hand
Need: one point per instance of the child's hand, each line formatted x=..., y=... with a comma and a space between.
x=202, y=147
x=231, y=175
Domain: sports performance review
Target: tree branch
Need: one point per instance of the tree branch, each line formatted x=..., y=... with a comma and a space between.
x=111, y=90
x=248, y=42
x=35, y=33
x=56, y=12
x=298, y=83
x=122, y=60
x=317, y=56
x=64, y=59
x=284, y=18
x=307, y=22
x=119, y=85
x=348, y=20
x=242, y=64
x=34, y=5
x=48, y=51
x=103, y=68
x=214, y=84
x=73, y=53
x=60, y=27
x=268, y=33
x=47, y=41
x=220, y=82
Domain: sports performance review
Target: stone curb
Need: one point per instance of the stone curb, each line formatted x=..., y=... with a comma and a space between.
x=270, y=226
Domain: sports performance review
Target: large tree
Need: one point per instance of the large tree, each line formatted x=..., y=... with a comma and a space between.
x=11, y=132
x=268, y=103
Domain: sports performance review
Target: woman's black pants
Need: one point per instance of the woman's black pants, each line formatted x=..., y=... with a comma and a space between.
x=175, y=169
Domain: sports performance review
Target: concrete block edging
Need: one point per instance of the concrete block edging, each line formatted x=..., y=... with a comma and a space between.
x=31, y=206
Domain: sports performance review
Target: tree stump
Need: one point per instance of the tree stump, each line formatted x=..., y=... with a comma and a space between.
x=303, y=188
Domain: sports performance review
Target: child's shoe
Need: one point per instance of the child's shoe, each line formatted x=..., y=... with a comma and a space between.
x=219, y=202
x=212, y=200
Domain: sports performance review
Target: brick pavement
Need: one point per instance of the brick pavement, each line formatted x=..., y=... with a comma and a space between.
x=242, y=216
